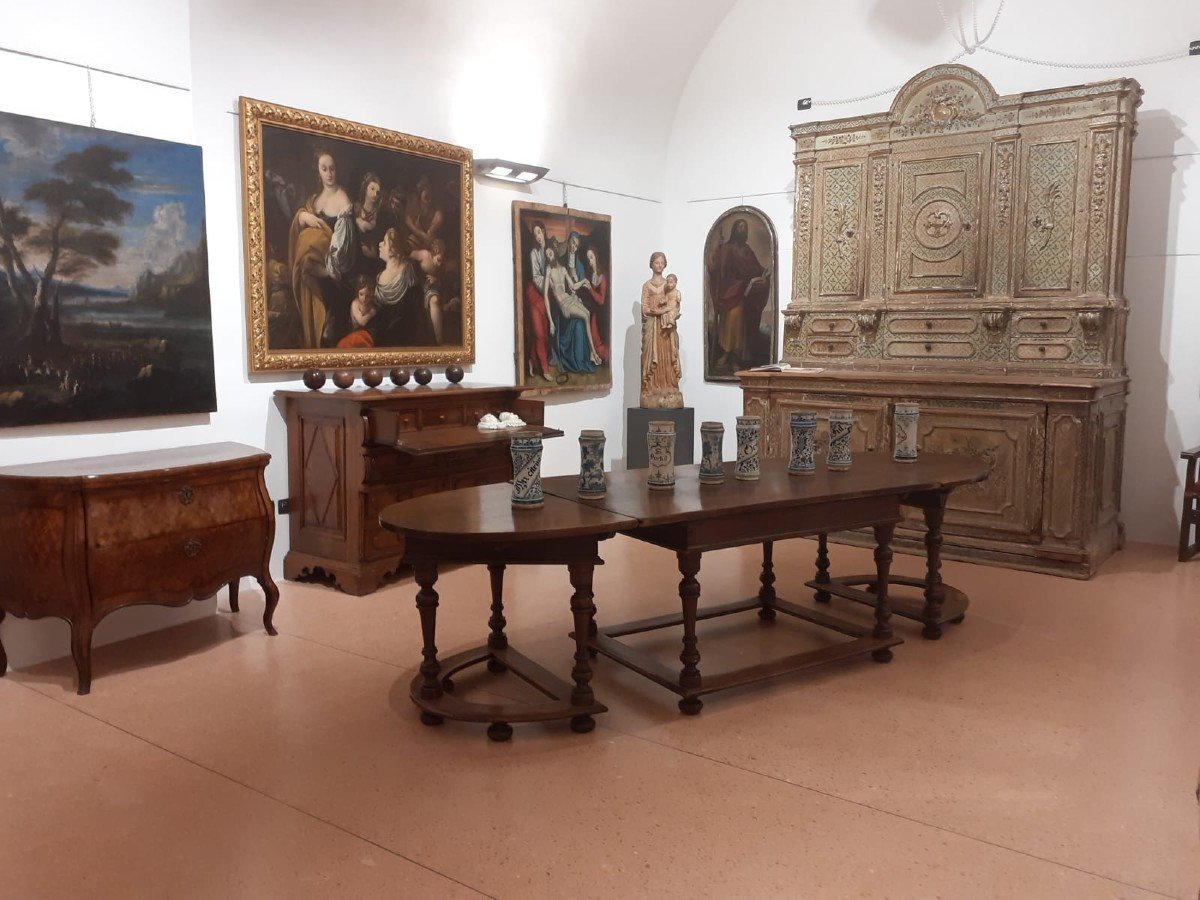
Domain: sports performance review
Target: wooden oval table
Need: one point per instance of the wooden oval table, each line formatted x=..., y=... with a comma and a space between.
x=478, y=525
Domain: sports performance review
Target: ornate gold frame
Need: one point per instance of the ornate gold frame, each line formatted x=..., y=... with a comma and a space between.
x=252, y=115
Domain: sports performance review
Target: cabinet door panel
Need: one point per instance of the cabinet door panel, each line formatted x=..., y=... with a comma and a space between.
x=1012, y=440
x=868, y=422
x=938, y=229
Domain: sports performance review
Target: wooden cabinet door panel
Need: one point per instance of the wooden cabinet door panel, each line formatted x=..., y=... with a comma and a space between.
x=1012, y=440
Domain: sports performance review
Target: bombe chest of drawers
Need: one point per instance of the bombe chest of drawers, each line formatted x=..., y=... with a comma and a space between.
x=82, y=538
x=966, y=250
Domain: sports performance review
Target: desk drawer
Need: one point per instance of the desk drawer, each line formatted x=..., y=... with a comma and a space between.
x=125, y=515
x=174, y=568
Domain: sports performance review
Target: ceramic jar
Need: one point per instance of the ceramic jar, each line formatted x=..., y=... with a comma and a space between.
x=526, y=450
x=748, y=428
x=712, y=437
x=841, y=424
x=591, y=464
x=803, y=458
x=660, y=444
x=904, y=430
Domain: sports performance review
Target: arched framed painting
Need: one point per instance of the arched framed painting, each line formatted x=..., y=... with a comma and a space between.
x=741, y=293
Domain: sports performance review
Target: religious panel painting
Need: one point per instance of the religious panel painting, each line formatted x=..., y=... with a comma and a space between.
x=562, y=280
x=741, y=294
x=358, y=244
x=104, y=299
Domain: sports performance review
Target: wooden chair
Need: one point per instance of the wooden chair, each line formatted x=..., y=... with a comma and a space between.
x=1191, y=507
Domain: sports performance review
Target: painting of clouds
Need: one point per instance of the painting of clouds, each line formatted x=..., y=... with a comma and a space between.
x=104, y=302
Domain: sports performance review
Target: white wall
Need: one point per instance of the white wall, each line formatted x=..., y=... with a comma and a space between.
x=731, y=140
x=566, y=89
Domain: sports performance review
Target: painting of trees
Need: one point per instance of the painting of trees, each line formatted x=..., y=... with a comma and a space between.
x=104, y=299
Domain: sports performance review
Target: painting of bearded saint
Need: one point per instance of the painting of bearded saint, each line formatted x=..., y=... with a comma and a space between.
x=741, y=300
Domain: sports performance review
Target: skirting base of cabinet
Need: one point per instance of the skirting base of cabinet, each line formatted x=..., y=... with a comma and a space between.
x=353, y=579
x=1068, y=562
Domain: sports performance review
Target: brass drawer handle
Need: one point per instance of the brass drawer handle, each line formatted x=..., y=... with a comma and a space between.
x=191, y=548
x=186, y=494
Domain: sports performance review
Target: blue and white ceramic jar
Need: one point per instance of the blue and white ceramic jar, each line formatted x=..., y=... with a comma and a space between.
x=712, y=438
x=748, y=428
x=803, y=458
x=526, y=450
x=841, y=424
x=904, y=432
x=660, y=446
x=592, y=483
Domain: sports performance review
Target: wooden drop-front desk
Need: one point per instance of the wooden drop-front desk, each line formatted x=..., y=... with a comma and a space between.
x=478, y=525
x=353, y=452
x=81, y=538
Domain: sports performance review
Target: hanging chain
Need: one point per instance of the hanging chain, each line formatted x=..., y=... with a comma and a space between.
x=91, y=101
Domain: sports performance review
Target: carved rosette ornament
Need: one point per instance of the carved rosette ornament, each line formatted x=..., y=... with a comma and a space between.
x=1092, y=323
x=996, y=322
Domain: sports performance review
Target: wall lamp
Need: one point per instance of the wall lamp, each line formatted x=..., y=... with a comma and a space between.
x=507, y=170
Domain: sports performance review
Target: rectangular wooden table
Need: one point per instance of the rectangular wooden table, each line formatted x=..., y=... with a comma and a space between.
x=693, y=518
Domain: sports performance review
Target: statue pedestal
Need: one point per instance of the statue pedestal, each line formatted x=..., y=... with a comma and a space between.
x=637, y=422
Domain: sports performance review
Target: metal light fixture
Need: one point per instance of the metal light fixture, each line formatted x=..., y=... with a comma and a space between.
x=507, y=170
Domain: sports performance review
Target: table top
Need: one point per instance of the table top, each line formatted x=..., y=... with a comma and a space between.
x=486, y=511
x=871, y=474
x=139, y=465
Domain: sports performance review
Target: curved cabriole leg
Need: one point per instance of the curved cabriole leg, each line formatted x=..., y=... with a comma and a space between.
x=822, y=596
x=766, y=593
x=233, y=595
x=883, y=612
x=427, y=603
x=3, y=655
x=81, y=650
x=271, y=591
x=689, y=596
x=934, y=592
x=497, y=639
x=582, y=610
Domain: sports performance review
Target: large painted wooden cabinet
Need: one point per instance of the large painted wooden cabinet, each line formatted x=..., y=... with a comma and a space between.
x=966, y=251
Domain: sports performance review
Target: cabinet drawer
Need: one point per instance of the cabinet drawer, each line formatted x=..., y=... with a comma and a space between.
x=124, y=515
x=175, y=567
x=832, y=325
x=1056, y=350
x=930, y=349
x=931, y=325
x=1043, y=325
x=442, y=415
x=818, y=347
x=385, y=425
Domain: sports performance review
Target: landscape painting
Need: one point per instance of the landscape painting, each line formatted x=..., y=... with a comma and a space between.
x=562, y=281
x=741, y=293
x=358, y=244
x=104, y=301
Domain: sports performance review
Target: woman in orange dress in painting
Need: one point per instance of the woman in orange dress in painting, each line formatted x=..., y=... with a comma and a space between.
x=308, y=250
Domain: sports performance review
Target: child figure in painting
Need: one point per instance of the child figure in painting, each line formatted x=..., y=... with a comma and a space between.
x=362, y=311
x=672, y=299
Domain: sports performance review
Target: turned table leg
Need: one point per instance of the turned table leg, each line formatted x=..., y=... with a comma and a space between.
x=822, y=596
x=582, y=609
x=81, y=650
x=233, y=595
x=883, y=612
x=689, y=596
x=426, y=574
x=766, y=593
x=497, y=638
x=935, y=594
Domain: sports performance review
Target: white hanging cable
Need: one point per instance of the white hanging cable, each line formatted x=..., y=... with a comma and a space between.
x=960, y=36
x=1120, y=64
x=91, y=101
x=882, y=93
x=980, y=41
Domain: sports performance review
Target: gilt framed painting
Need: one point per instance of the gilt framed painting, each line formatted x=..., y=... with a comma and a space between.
x=104, y=299
x=562, y=278
x=358, y=244
x=741, y=293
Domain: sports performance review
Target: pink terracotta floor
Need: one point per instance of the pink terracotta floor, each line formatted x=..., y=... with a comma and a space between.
x=1048, y=747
